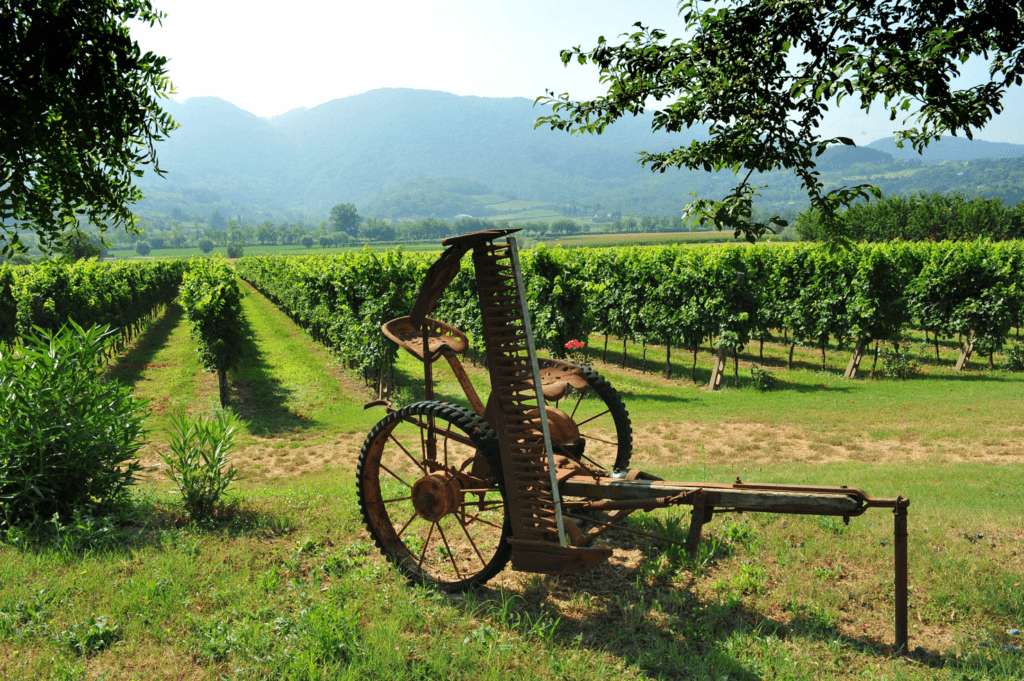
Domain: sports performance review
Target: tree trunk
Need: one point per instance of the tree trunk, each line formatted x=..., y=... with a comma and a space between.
x=991, y=363
x=785, y=335
x=624, y=341
x=668, y=360
x=735, y=368
x=643, y=368
x=693, y=369
x=936, y=348
x=760, y=353
x=875, y=363
x=791, y=347
x=604, y=357
x=822, y=354
x=222, y=381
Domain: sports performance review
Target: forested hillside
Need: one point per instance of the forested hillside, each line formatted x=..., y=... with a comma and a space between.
x=398, y=153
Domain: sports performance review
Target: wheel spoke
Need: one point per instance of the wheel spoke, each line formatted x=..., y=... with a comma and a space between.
x=418, y=464
x=581, y=423
x=484, y=505
x=591, y=437
x=478, y=519
x=576, y=406
x=407, y=523
x=451, y=555
x=426, y=543
x=395, y=476
x=391, y=501
x=596, y=464
x=472, y=543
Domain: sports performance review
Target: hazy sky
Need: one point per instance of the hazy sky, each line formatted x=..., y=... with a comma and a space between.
x=271, y=57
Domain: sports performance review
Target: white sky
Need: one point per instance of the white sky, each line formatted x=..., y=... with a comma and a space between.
x=271, y=57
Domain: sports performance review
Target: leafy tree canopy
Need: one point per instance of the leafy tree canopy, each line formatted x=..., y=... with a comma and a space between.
x=345, y=218
x=77, y=245
x=79, y=114
x=761, y=74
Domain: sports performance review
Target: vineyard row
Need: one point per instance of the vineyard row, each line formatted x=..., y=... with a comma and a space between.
x=677, y=296
x=124, y=295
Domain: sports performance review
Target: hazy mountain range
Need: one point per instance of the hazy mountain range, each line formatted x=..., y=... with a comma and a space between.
x=381, y=149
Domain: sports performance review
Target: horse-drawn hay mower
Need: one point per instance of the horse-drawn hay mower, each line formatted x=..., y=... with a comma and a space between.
x=451, y=495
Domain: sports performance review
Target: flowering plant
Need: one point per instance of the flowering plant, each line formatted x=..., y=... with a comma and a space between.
x=575, y=351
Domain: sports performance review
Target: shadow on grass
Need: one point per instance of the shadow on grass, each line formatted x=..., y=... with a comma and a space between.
x=128, y=369
x=143, y=523
x=259, y=397
x=665, y=629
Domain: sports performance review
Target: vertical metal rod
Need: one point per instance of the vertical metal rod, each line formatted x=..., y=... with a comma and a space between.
x=428, y=370
x=900, y=577
x=428, y=392
x=538, y=388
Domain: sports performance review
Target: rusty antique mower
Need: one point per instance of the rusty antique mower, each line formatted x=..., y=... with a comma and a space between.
x=537, y=473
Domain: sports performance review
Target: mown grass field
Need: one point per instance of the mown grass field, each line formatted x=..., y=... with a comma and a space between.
x=287, y=584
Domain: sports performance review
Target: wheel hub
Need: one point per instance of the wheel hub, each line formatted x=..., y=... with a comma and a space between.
x=436, y=495
x=560, y=425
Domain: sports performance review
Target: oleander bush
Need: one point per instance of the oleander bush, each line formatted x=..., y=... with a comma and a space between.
x=70, y=438
x=197, y=462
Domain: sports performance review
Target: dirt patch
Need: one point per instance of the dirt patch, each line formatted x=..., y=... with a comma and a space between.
x=690, y=443
x=658, y=445
x=273, y=458
x=276, y=457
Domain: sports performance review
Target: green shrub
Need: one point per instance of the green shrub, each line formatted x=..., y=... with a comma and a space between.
x=142, y=248
x=898, y=364
x=69, y=439
x=197, y=462
x=205, y=245
x=1014, y=358
x=764, y=380
x=235, y=250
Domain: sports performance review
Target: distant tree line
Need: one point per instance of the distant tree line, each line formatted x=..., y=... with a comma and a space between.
x=923, y=217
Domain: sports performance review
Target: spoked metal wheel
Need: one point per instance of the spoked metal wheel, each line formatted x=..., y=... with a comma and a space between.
x=430, y=493
x=603, y=423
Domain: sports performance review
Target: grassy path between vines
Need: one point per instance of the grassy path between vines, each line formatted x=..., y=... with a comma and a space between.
x=162, y=368
x=298, y=410
x=301, y=411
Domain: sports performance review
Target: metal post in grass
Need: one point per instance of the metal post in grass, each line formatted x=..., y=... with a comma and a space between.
x=900, y=576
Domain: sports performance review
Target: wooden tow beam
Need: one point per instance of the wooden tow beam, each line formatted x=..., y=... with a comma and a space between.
x=452, y=494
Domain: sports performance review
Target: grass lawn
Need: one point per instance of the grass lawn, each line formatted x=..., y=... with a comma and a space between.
x=287, y=584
